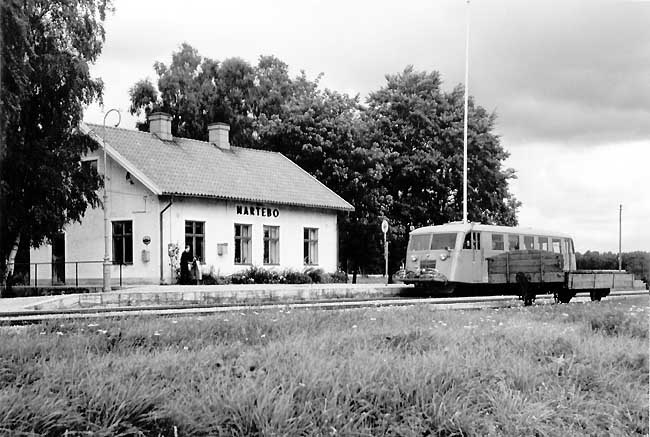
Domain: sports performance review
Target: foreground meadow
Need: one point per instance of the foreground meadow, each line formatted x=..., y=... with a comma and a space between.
x=547, y=370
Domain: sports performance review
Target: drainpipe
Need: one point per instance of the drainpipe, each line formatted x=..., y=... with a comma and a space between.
x=162, y=246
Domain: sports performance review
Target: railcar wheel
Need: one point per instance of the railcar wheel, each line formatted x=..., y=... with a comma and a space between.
x=595, y=296
x=563, y=296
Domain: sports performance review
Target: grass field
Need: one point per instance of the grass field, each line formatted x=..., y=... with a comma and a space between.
x=546, y=370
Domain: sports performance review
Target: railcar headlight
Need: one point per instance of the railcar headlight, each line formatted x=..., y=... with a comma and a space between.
x=414, y=258
x=444, y=256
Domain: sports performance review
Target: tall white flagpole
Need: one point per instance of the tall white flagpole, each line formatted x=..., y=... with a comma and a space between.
x=465, y=118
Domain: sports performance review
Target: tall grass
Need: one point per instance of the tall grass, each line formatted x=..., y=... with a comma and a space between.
x=578, y=369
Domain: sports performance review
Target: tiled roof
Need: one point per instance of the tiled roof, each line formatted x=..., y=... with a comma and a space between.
x=196, y=168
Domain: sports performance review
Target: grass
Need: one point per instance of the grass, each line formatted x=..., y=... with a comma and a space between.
x=546, y=370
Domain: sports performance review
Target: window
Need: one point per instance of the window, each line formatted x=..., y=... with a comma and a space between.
x=195, y=238
x=556, y=245
x=123, y=242
x=310, y=247
x=89, y=164
x=242, y=244
x=513, y=242
x=543, y=243
x=443, y=241
x=528, y=242
x=419, y=242
x=497, y=242
x=271, y=245
x=472, y=241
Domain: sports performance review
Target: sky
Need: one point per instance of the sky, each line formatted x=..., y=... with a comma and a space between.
x=568, y=80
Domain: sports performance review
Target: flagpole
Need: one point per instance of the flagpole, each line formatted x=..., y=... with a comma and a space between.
x=465, y=118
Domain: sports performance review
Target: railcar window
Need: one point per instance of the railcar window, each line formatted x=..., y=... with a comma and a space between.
x=419, y=242
x=543, y=243
x=556, y=245
x=513, y=242
x=472, y=241
x=497, y=242
x=443, y=241
x=528, y=242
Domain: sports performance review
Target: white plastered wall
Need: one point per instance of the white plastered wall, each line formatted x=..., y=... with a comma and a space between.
x=220, y=218
x=84, y=242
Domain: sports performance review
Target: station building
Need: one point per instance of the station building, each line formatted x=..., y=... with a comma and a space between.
x=235, y=207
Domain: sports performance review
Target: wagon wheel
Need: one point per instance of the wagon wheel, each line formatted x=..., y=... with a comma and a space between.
x=563, y=295
x=595, y=295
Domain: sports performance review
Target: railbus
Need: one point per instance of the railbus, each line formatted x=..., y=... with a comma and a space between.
x=479, y=258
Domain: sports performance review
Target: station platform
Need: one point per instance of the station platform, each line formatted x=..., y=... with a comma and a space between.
x=202, y=295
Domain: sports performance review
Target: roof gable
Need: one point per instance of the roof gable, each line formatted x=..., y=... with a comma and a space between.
x=193, y=168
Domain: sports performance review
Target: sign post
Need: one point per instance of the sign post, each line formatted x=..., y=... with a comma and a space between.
x=384, y=229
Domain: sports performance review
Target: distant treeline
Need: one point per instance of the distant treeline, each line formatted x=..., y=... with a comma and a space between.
x=633, y=262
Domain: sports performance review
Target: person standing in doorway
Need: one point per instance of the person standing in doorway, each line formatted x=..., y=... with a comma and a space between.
x=186, y=259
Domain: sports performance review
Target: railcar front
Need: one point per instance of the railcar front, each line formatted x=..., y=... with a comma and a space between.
x=432, y=258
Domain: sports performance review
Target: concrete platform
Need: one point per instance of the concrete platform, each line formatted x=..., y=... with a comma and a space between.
x=202, y=295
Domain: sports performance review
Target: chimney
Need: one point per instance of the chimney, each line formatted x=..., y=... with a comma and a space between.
x=218, y=134
x=160, y=124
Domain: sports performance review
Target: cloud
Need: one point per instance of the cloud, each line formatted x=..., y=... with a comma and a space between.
x=573, y=70
x=578, y=191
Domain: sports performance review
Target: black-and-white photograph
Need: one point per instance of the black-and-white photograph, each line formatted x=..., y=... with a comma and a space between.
x=309, y=218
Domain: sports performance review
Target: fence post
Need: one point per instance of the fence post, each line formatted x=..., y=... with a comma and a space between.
x=76, y=274
x=35, y=275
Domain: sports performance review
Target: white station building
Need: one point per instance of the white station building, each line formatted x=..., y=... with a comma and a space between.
x=235, y=208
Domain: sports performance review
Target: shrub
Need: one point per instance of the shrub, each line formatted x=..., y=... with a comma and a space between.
x=339, y=277
x=260, y=275
x=295, y=277
x=316, y=275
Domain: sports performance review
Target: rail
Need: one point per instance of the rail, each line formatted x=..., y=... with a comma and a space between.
x=55, y=277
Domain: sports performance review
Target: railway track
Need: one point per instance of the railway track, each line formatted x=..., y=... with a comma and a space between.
x=468, y=302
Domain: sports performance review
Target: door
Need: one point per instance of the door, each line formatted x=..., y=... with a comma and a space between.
x=470, y=259
x=58, y=260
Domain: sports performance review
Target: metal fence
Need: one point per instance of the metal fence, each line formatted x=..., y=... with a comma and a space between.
x=91, y=273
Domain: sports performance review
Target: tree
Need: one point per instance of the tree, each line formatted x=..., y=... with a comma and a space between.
x=324, y=133
x=398, y=157
x=197, y=91
x=633, y=262
x=421, y=128
x=47, y=47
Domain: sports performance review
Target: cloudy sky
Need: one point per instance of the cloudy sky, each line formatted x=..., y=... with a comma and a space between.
x=569, y=81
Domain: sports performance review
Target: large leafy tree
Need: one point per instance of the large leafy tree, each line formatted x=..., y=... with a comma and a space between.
x=397, y=157
x=420, y=126
x=197, y=91
x=324, y=133
x=47, y=47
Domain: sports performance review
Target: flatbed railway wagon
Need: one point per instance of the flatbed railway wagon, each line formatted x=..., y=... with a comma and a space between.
x=486, y=259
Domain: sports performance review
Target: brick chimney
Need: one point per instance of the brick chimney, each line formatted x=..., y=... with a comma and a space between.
x=160, y=124
x=219, y=135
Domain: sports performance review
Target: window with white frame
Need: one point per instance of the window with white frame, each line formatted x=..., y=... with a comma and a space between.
x=271, y=245
x=123, y=242
x=242, y=244
x=310, y=246
x=195, y=238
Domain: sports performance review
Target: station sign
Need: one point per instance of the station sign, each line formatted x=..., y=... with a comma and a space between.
x=258, y=211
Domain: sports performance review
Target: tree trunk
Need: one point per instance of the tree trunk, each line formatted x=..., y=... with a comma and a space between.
x=10, y=260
